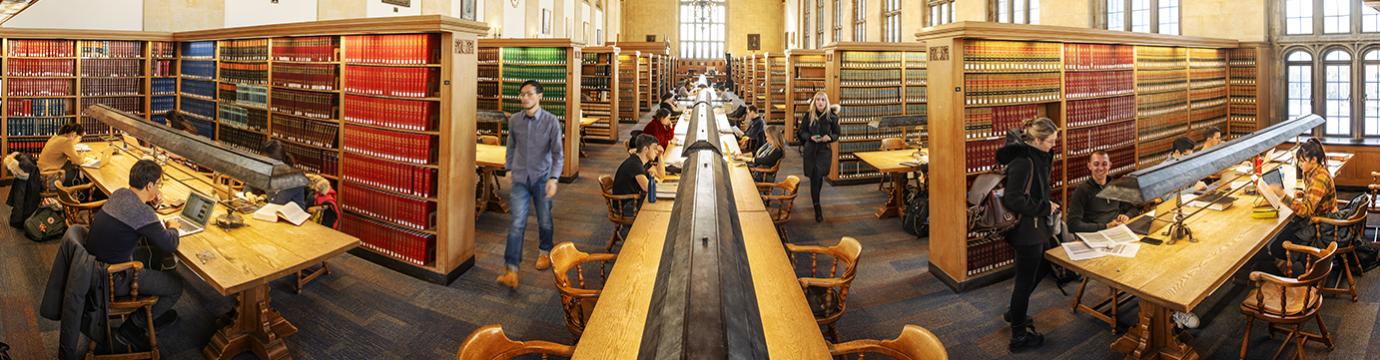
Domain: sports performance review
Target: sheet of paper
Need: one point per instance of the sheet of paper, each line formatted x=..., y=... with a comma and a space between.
x=1123, y=250
x=82, y=147
x=667, y=190
x=1095, y=239
x=269, y=213
x=292, y=213
x=1120, y=234
x=1080, y=251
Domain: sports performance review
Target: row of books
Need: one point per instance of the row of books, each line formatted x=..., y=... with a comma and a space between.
x=1207, y=115
x=1152, y=57
x=196, y=107
x=40, y=67
x=1097, y=111
x=1243, y=75
x=407, y=49
x=204, y=70
x=1209, y=97
x=110, y=49
x=253, y=74
x=533, y=56
x=1242, y=94
x=34, y=126
x=39, y=87
x=1099, y=57
x=414, y=247
x=865, y=113
x=982, y=155
x=38, y=107
x=1209, y=77
x=390, y=81
x=28, y=146
x=112, y=68
x=1241, y=57
x=490, y=73
x=1153, y=152
x=1154, y=81
x=917, y=77
x=163, y=86
x=40, y=48
x=163, y=49
x=487, y=89
x=248, y=95
x=244, y=139
x=1010, y=56
x=549, y=93
x=860, y=96
x=244, y=50
x=1056, y=177
x=161, y=104
x=306, y=131
x=132, y=105
x=1000, y=89
x=856, y=77
x=314, y=160
x=856, y=169
x=396, y=209
x=1148, y=106
x=199, y=89
x=1079, y=85
x=109, y=87
x=989, y=254
x=91, y=126
x=391, y=145
x=1201, y=57
x=1123, y=160
x=305, y=76
x=1088, y=140
x=199, y=50
x=244, y=118
x=205, y=128
x=544, y=74
x=491, y=55
x=988, y=122
x=853, y=146
x=392, y=113
x=163, y=68
x=400, y=178
x=1170, y=125
x=302, y=103
x=305, y=49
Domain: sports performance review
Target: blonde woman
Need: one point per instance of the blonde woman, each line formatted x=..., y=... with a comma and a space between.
x=1027, y=159
x=767, y=155
x=819, y=128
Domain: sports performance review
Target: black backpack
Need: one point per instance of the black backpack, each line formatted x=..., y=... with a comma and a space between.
x=45, y=224
x=916, y=218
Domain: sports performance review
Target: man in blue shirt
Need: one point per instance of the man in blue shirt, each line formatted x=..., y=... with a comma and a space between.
x=534, y=161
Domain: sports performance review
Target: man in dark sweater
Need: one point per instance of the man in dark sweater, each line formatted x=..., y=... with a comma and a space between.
x=127, y=229
x=1087, y=212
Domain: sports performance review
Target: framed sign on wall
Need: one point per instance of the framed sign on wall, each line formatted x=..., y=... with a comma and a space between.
x=754, y=41
x=403, y=3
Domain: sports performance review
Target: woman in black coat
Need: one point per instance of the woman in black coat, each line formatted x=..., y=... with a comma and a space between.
x=1027, y=159
x=819, y=128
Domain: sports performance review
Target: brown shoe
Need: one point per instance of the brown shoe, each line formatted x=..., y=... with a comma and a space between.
x=543, y=262
x=509, y=278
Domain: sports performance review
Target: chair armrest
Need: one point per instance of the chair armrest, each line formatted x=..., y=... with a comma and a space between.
x=824, y=283
x=1337, y=222
x=90, y=205
x=760, y=169
x=81, y=187
x=1275, y=279
x=115, y=268
x=579, y=293
x=601, y=257
x=621, y=197
x=806, y=248
x=778, y=197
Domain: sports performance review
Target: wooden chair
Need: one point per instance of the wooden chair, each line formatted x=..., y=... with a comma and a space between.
x=1117, y=299
x=779, y=198
x=489, y=343
x=1357, y=223
x=615, y=204
x=49, y=177
x=577, y=299
x=889, y=144
x=75, y=211
x=915, y=343
x=828, y=301
x=121, y=307
x=488, y=139
x=1374, y=207
x=768, y=174
x=1290, y=301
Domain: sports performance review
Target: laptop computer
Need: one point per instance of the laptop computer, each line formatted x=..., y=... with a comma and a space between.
x=196, y=213
x=100, y=159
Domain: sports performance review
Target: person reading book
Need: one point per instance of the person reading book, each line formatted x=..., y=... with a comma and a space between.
x=60, y=153
x=1319, y=197
x=767, y=155
x=755, y=127
x=323, y=205
x=1087, y=212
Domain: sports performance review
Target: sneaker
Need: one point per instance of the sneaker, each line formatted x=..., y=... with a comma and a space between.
x=132, y=337
x=1024, y=338
x=509, y=279
x=543, y=262
x=1186, y=320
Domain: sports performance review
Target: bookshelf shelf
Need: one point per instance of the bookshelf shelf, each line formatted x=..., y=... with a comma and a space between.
x=41, y=77
x=392, y=65
x=311, y=90
x=1025, y=103
x=1099, y=124
x=389, y=128
x=431, y=231
x=1096, y=70
x=1132, y=93
x=431, y=199
x=389, y=97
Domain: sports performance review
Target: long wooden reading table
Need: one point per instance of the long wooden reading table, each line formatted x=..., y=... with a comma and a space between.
x=239, y=262
x=891, y=162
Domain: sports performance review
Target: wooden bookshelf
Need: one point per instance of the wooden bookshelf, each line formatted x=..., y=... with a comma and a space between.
x=870, y=81
x=805, y=76
x=629, y=86
x=650, y=58
x=775, y=90
x=1246, y=65
x=1168, y=75
x=600, y=84
x=558, y=70
x=315, y=117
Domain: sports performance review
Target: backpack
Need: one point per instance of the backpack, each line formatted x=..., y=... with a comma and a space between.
x=986, y=213
x=47, y=223
x=916, y=218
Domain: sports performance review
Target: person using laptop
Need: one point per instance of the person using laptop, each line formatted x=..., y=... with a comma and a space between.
x=60, y=153
x=1319, y=197
x=127, y=229
x=1087, y=212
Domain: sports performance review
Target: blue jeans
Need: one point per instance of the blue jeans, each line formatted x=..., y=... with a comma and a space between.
x=521, y=196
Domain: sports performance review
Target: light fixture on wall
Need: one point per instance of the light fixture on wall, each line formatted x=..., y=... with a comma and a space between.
x=10, y=8
x=704, y=12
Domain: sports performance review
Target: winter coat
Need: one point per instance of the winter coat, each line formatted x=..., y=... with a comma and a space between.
x=24, y=193
x=1023, y=161
x=76, y=294
x=818, y=157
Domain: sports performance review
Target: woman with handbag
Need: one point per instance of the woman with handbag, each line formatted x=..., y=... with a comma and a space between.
x=821, y=127
x=1027, y=160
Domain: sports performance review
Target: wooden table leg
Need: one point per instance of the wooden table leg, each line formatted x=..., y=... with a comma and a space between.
x=1154, y=337
x=251, y=325
x=897, y=202
x=492, y=200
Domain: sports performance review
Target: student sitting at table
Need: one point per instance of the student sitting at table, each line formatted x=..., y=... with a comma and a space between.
x=1087, y=212
x=273, y=149
x=323, y=206
x=668, y=103
x=632, y=176
x=753, y=137
x=767, y=155
x=60, y=153
x=660, y=127
x=1319, y=197
x=127, y=229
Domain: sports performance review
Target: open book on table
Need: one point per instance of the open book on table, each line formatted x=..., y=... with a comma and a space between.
x=290, y=212
x=1108, y=238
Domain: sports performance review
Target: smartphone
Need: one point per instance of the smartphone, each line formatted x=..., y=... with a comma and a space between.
x=1151, y=241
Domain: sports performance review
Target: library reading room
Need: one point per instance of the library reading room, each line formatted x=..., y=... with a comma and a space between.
x=467, y=179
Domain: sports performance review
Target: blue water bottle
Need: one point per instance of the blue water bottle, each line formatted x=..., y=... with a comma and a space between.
x=651, y=189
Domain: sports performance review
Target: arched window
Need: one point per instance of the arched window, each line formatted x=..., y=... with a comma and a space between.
x=1300, y=75
x=1337, y=74
x=1328, y=68
x=1371, y=93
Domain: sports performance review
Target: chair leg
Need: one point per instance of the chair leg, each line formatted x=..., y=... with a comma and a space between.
x=1077, y=298
x=1246, y=340
x=1300, y=338
x=1326, y=336
x=834, y=333
x=1350, y=282
x=1360, y=271
x=786, y=239
x=153, y=338
x=613, y=239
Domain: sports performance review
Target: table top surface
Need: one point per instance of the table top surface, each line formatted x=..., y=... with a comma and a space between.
x=244, y=258
x=890, y=160
x=585, y=121
x=1180, y=276
x=490, y=155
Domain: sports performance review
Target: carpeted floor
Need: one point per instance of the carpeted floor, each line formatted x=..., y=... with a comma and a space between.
x=363, y=311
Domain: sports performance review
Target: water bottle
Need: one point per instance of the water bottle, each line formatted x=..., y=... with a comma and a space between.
x=651, y=189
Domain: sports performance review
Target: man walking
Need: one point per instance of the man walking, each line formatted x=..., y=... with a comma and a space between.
x=534, y=161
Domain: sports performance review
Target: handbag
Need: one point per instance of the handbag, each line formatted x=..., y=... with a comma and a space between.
x=986, y=213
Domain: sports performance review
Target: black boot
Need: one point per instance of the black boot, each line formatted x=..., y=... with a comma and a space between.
x=819, y=215
x=1024, y=338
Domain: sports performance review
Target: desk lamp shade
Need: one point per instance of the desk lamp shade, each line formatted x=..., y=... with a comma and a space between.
x=1147, y=184
x=253, y=169
x=900, y=121
x=10, y=8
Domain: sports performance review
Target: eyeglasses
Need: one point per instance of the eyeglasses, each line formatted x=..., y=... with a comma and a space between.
x=529, y=93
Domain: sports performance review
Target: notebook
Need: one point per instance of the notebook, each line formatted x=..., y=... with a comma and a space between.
x=195, y=214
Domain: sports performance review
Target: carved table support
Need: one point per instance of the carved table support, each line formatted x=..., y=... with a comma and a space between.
x=251, y=325
x=1154, y=337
